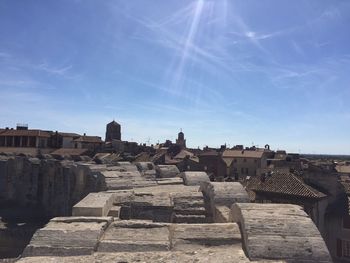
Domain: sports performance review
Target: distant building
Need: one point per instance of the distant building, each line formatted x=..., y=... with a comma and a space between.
x=92, y=143
x=64, y=139
x=113, y=131
x=181, y=140
x=242, y=163
x=23, y=137
x=212, y=163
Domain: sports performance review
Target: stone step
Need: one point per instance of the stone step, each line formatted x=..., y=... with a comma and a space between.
x=135, y=236
x=114, y=211
x=186, y=236
x=94, y=204
x=69, y=236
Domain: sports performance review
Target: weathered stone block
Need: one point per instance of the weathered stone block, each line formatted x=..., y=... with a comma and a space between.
x=279, y=231
x=187, y=236
x=67, y=237
x=194, y=178
x=94, y=204
x=135, y=236
x=167, y=171
x=222, y=194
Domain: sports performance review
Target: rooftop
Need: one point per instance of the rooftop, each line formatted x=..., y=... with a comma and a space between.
x=284, y=183
x=343, y=169
x=90, y=139
x=183, y=154
x=35, y=133
x=242, y=154
x=69, y=134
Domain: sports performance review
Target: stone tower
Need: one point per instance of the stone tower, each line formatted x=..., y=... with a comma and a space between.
x=113, y=131
x=181, y=140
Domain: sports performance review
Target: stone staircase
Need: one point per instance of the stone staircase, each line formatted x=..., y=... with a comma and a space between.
x=189, y=208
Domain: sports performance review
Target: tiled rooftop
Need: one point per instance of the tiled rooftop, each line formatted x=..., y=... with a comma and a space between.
x=242, y=154
x=91, y=139
x=284, y=183
x=35, y=133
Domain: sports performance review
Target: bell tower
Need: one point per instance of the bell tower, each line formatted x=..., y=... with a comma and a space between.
x=113, y=131
x=181, y=139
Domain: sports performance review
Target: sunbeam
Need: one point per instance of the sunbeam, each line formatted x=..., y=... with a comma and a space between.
x=188, y=44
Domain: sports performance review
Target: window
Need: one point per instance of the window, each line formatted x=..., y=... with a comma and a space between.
x=343, y=248
x=346, y=222
x=246, y=170
x=242, y=170
x=245, y=160
x=234, y=160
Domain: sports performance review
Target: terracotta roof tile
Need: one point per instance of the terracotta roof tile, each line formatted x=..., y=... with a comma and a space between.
x=242, y=154
x=142, y=157
x=157, y=156
x=346, y=185
x=182, y=154
x=209, y=153
x=69, y=134
x=90, y=139
x=283, y=183
x=35, y=133
x=343, y=169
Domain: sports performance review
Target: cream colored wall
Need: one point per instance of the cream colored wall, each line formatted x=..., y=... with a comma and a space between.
x=253, y=164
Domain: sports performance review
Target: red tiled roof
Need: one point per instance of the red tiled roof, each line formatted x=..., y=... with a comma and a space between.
x=157, y=156
x=90, y=139
x=194, y=159
x=168, y=160
x=69, y=134
x=142, y=157
x=209, y=153
x=242, y=154
x=343, y=169
x=183, y=154
x=346, y=185
x=35, y=133
x=283, y=183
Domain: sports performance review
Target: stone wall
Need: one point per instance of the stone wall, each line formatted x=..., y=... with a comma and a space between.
x=48, y=183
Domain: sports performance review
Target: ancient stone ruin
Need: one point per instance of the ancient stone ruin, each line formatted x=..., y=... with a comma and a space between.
x=140, y=212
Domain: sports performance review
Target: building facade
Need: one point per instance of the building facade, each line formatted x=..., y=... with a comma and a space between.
x=243, y=163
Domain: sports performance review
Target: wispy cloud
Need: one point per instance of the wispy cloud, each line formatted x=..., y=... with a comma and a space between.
x=52, y=70
x=256, y=36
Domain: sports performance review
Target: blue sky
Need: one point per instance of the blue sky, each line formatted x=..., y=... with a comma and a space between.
x=235, y=72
